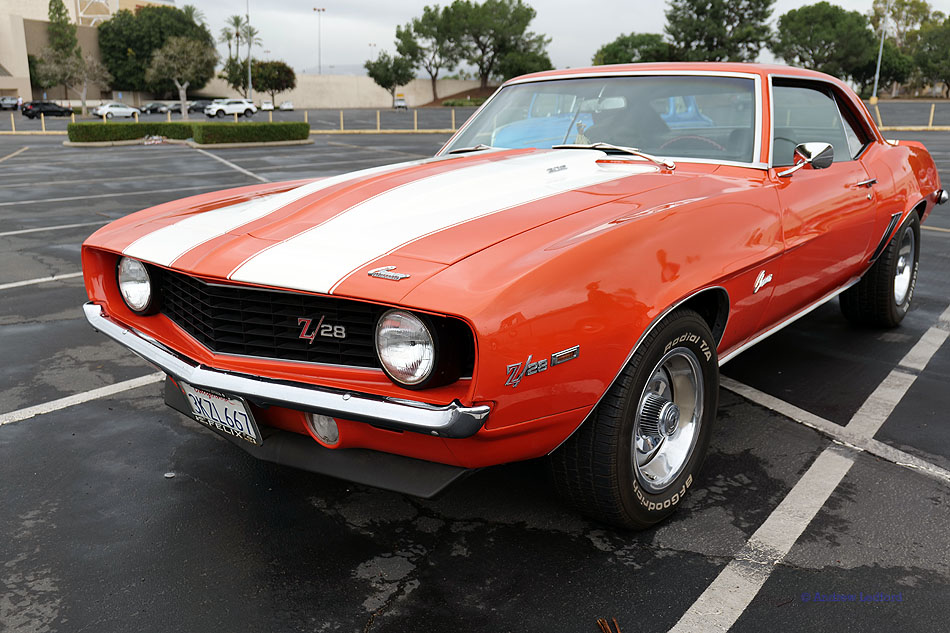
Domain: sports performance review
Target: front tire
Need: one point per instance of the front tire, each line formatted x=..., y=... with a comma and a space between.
x=638, y=453
x=884, y=294
x=248, y=113
x=219, y=114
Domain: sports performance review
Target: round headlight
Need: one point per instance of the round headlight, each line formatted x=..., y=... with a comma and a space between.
x=405, y=347
x=134, y=284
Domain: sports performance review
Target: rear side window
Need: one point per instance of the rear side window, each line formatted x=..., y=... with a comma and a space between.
x=805, y=114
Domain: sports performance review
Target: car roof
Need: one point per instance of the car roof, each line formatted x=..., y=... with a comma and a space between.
x=679, y=67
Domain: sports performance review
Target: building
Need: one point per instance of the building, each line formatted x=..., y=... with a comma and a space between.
x=23, y=32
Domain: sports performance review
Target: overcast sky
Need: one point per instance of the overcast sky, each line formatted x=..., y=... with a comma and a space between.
x=353, y=31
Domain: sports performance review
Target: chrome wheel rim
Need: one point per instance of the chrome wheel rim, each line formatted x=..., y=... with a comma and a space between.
x=904, y=271
x=668, y=419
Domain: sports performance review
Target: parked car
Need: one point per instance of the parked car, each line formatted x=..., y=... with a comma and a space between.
x=114, y=108
x=286, y=105
x=33, y=109
x=221, y=107
x=175, y=107
x=402, y=325
x=399, y=103
x=267, y=105
x=7, y=103
x=154, y=107
x=198, y=105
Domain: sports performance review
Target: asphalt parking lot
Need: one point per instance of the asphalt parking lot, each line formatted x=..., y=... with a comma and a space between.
x=94, y=536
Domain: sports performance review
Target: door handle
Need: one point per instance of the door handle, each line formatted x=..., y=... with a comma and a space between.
x=870, y=182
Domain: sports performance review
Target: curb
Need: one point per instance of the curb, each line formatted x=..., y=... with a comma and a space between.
x=365, y=131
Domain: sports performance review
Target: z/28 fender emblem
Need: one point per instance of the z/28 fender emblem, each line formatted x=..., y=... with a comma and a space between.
x=517, y=371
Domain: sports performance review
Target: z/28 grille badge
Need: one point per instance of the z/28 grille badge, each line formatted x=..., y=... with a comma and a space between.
x=517, y=371
x=320, y=329
x=386, y=273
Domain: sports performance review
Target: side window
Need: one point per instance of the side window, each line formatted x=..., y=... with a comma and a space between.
x=804, y=114
x=856, y=135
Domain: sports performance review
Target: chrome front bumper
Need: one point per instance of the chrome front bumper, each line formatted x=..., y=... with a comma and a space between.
x=452, y=420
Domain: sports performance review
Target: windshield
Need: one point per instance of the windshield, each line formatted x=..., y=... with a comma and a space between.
x=678, y=116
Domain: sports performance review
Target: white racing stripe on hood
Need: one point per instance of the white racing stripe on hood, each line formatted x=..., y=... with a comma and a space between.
x=168, y=243
x=321, y=257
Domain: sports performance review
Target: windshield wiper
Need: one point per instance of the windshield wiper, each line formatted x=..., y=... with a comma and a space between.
x=633, y=151
x=473, y=148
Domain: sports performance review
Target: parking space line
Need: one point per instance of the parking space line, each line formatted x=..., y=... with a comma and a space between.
x=233, y=166
x=836, y=432
x=935, y=228
x=150, y=177
x=38, y=280
x=79, y=398
x=54, y=228
x=16, y=153
x=112, y=195
x=718, y=608
x=723, y=601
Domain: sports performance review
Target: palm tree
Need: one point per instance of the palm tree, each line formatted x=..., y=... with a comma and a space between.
x=226, y=36
x=250, y=35
x=236, y=22
x=194, y=14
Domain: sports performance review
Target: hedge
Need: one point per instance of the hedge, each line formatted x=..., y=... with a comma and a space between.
x=90, y=132
x=209, y=133
x=462, y=103
x=205, y=133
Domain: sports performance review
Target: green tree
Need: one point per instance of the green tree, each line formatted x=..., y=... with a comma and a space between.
x=718, y=30
x=528, y=56
x=183, y=61
x=273, y=77
x=493, y=29
x=933, y=52
x=128, y=41
x=904, y=17
x=390, y=72
x=234, y=73
x=636, y=47
x=827, y=38
x=62, y=32
x=235, y=23
x=75, y=72
x=431, y=42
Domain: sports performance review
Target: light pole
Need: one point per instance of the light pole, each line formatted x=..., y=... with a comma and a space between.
x=250, y=43
x=880, y=53
x=320, y=11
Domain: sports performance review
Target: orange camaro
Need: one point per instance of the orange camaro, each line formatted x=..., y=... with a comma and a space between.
x=563, y=278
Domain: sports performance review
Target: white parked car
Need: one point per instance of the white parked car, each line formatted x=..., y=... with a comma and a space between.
x=267, y=105
x=114, y=108
x=221, y=107
x=286, y=105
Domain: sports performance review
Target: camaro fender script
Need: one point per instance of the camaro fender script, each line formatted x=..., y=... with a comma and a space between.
x=517, y=371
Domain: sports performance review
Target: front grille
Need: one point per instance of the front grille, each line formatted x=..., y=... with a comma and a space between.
x=252, y=322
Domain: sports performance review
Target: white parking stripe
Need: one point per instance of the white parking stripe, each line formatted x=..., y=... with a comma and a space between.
x=935, y=228
x=169, y=190
x=79, y=398
x=718, y=608
x=54, y=228
x=16, y=153
x=836, y=432
x=38, y=280
x=727, y=597
x=233, y=166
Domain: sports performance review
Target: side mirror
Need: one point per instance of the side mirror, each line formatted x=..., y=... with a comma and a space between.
x=818, y=155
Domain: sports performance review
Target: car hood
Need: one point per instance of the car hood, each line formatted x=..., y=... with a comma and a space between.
x=411, y=220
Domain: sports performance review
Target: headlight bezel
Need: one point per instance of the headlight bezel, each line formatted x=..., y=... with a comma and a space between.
x=151, y=304
x=446, y=336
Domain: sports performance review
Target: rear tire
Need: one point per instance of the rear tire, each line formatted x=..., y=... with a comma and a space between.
x=638, y=453
x=248, y=113
x=884, y=294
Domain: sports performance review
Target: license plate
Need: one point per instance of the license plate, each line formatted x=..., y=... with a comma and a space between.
x=222, y=413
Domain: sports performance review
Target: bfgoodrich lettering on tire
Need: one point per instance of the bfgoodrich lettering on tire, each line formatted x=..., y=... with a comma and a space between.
x=637, y=455
x=884, y=294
